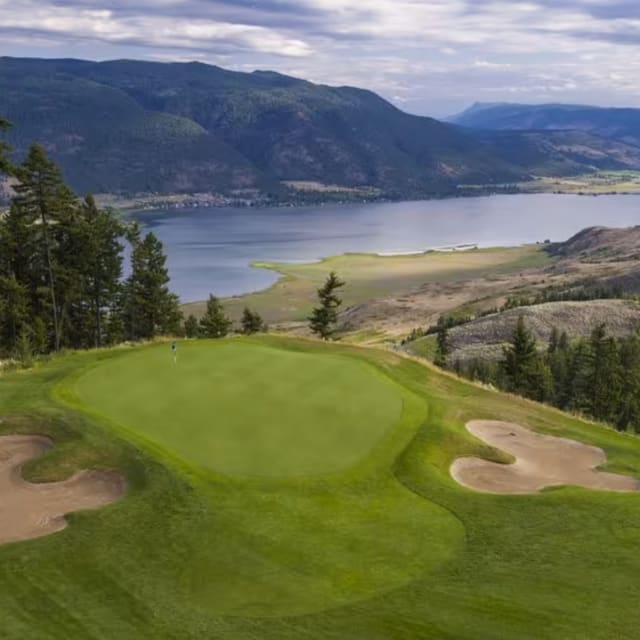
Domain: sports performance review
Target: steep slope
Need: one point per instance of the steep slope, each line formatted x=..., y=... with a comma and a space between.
x=142, y=127
x=621, y=124
x=485, y=337
x=604, y=244
x=560, y=153
x=193, y=126
x=106, y=141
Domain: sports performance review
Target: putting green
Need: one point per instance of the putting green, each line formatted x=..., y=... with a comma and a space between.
x=246, y=409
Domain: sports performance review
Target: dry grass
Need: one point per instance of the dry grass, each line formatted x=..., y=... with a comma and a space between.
x=394, y=284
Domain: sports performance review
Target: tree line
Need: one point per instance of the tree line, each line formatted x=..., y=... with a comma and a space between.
x=62, y=281
x=598, y=376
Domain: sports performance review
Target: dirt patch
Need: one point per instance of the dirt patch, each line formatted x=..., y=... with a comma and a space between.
x=30, y=510
x=541, y=461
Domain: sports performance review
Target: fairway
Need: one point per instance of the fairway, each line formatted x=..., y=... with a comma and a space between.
x=242, y=409
x=391, y=547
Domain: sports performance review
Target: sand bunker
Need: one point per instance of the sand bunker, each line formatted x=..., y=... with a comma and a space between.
x=541, y=461
x=32, y=510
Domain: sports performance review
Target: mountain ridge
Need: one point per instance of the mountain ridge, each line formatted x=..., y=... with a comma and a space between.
x=614, y=123
x=130, y=127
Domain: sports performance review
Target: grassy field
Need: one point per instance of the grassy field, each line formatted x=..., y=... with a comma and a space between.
x=370, y=276
x=600, y=183
x=390, y=547
x=236, y=408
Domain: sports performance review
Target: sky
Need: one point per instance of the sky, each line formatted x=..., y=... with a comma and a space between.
x=431, y=57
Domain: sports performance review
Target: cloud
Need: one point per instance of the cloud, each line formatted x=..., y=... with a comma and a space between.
x=427, y=55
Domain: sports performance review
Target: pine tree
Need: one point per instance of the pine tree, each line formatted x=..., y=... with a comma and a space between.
x=563, y=342
x=99, y=260
x=628, y=413
x=324, y=318
x=44, y=203
x=574, y=395
x=14, y=312
x=150, y=309
x=214, y=323
x=443, y=348
x=603, y=376
x=191, y=327
x=24, y=346
x=251, y=322
x=519, y=360
x=5, y=165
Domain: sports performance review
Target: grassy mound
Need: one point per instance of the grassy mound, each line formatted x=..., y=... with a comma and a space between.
x=390, y=547
x=246, y=409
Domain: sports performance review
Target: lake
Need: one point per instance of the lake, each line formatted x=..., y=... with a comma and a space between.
x=210, y=249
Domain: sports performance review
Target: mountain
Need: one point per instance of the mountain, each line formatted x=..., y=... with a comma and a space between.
x=620, y=124
x=131, y=127
x=127, y=126
x=559, y=153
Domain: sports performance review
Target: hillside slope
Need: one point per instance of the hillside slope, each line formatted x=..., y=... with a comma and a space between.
x=601, y=244
x=612, y=123
x=188, y=127
x=485, y=337
x=391, y=548
x=129, y=127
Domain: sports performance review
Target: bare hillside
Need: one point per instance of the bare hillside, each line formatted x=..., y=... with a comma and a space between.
x=486, y=336
x=601, y=244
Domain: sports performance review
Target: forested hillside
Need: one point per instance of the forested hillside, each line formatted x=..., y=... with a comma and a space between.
x=140, y=127
x=610, y=123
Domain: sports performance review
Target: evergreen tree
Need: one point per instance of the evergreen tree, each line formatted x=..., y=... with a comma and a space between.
x=214, y=323
x=519, y=360
x=251, y=322
x=603, y=376
x=563, y=342
x=101, y=258
x=44, y=203
x=5, y=165
x=324, y=318
x=14, y=312
x=554, y=341
x=628, y=414
x=574, y=395
x=24, y=347
x=191, y=327
x=443, y=348
x=150, y=309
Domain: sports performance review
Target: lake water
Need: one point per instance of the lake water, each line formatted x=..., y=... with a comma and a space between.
x=210, y=249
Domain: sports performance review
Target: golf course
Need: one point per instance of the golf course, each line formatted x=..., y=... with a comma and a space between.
x=258, y=488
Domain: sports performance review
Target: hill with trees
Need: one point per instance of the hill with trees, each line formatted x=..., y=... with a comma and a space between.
x=620, y=124
x=129, y=127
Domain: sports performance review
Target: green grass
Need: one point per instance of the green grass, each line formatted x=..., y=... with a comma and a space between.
x=423, y=347
x=243, y=409
x=390, y=547
x=370, y=276
x=600, y=183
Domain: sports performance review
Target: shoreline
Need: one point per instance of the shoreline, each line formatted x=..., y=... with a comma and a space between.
x=277, y=267
x=162, y=206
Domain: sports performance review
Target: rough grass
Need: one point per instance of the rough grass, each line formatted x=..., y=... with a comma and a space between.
x=370, y=276
x=391, y=548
